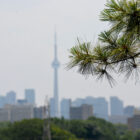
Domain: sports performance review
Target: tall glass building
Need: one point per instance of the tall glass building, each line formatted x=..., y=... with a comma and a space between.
x=116, y=106
x=11, y=97
x=30, y=96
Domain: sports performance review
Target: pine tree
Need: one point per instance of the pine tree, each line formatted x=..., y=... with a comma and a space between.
x=118, y=49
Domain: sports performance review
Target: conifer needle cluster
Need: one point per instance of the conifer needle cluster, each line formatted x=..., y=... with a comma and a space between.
x=118, y=49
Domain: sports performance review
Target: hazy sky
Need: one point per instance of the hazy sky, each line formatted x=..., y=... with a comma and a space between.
x=26, y=48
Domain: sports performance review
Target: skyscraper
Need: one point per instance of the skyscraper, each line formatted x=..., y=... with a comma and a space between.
x=65, y=108
x=2, y=101
x=11, y=98
x=129, y=111
x=55, y=66
x=52, y=108
x=116, y=106
x=100, y=105
x=30, y=96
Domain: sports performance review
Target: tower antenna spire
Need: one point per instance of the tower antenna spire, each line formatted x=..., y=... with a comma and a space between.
x=55, y=66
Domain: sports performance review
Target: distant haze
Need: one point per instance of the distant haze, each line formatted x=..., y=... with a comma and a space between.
x=26, y=48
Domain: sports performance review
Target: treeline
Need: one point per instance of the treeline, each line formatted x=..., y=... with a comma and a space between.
x=91, y=129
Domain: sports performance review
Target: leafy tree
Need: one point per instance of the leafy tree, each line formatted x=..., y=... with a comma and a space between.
x=121, y=129
x=118, y=48
x=128, y=136
x=59, y=134
x=137, y=135
x=92, y=128
x=32, y=130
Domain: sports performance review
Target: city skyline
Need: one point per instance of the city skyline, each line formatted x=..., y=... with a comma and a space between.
x=26, y=51
x=86, y=98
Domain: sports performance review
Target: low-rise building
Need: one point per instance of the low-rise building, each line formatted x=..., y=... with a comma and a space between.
x=20, y=112
x=4, y=115
x=14, y=113
x=39, y=112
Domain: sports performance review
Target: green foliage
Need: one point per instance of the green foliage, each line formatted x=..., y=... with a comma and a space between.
x=118, y=49
x=137, y=135
x=123, y=15
x=127, y=136
x=61, y=129
x=25, y=130
x=121, y=129
x=92, y=128
x=59, y=134
x=32, y=130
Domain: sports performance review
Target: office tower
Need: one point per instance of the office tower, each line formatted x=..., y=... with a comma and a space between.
x=116, y=106
x=83, y=112
x=65, y=108
x=2, y=101
x=55, y=66
x=129, y=111
x=30, y=96
x=100, y=106
x=52, y=108
x=11, y=97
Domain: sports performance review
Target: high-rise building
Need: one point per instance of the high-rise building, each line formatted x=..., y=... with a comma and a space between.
x=52, y=108
x=30, y=96
x=129, y=111
x=65, y=108
x=83, y=112
x=100, y=105
x=2, y=101
x=55, y=66
x=11, y=97
x=116, y=106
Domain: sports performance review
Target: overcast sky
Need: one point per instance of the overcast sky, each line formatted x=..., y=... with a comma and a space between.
x=26, y=48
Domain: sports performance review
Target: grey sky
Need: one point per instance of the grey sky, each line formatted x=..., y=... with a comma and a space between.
x=26, y=48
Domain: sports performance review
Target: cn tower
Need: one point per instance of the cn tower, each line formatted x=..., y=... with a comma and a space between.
x=55, y=66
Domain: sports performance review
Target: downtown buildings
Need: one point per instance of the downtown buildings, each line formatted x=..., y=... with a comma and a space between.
x=100, y=106
x=13, y=110
x=113, y=111
x=10, y=98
